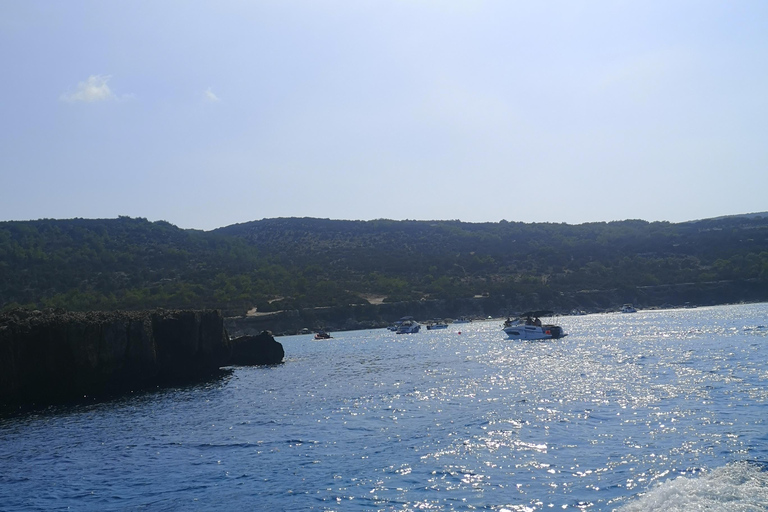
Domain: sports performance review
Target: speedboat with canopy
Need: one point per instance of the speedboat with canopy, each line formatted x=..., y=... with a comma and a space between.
x=408, y=325
x=529, y=327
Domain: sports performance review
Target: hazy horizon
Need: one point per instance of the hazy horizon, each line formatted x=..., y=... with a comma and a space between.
x=751, y=214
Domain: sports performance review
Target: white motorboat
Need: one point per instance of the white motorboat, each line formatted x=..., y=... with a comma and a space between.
x=530, y=327
x=395, y=326
x=628, y=308
x=462, y=320
x=408, y=327
x=436, y=324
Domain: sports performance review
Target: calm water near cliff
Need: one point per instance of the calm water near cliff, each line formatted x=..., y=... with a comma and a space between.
x=658, y=410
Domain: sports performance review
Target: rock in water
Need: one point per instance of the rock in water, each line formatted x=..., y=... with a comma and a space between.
x=255, y=350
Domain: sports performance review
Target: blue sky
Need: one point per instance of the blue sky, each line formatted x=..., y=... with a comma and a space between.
x=206, y=114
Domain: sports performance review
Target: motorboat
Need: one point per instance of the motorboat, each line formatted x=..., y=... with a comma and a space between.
x=628, y=308
x=529, y=327
x=462, y=320
x=408, y=326
x=395, y=326
x=436, y=324
x=322, y=335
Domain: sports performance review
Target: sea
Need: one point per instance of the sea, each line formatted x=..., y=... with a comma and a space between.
x=659, y=410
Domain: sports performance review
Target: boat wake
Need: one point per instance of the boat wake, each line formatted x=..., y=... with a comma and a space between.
x=735, y=487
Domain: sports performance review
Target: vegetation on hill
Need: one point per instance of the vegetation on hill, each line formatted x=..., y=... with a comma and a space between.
x=291, y=263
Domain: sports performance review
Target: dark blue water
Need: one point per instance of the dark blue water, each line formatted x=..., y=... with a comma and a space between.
x=658, y=410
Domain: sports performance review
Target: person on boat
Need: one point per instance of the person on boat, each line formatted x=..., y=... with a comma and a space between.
x=537, y=322
x=528, y=321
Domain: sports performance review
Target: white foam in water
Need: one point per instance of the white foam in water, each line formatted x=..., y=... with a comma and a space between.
x=736, y=487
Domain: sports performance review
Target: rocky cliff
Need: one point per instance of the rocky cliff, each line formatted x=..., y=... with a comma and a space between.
x=56, y=355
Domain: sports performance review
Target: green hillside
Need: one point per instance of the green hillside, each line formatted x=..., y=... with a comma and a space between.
x=292, y=263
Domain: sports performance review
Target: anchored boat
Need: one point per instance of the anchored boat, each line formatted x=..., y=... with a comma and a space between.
x=436, y=324
x=529, y=327
x=408, y=327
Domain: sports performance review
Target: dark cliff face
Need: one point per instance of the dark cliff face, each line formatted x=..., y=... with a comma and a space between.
x=54, y=355
x=190, y=343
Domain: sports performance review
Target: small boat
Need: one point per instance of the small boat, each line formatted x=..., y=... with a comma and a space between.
x=322, y=335
x=462, y=320
x=436, y=324
x=395, y=326
x=628, y=308
x=408, y=326
x=529, y=327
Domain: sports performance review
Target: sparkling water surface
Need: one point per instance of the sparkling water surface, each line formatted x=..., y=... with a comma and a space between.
x=656, y=410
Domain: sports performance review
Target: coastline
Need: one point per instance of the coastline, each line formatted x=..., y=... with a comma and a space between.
x=51, y=356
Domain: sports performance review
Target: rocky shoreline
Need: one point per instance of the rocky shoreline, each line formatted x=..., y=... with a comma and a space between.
x=54, y=355
x=372, y=316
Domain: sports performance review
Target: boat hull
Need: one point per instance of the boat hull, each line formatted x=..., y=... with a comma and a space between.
x=408, y=328
x=534, y=332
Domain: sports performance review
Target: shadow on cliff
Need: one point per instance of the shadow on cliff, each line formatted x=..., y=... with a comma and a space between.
x=55, y=356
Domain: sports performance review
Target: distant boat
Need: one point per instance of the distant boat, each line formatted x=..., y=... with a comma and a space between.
x=436, y=324
x=628, y=308
x=462, y=320
x=322, y=335
x=395, y=326
x=408, y=327
x=529, y=327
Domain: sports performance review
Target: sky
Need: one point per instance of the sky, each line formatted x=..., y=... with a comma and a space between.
x=211, y=113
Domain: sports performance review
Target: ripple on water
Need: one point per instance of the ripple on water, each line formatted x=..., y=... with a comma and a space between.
x=651, y=411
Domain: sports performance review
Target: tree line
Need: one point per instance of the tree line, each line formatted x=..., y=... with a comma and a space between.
x=294, y=263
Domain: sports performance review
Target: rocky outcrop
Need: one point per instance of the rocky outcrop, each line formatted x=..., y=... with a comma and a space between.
x=254, y=350
x=55, y=355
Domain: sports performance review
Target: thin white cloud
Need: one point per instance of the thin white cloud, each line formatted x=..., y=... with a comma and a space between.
x=211, y=96
x=93, y=89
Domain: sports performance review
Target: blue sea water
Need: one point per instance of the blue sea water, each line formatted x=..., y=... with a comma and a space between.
x=657, y=410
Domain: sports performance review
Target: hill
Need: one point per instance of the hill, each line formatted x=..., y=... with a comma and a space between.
x=295, y=263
